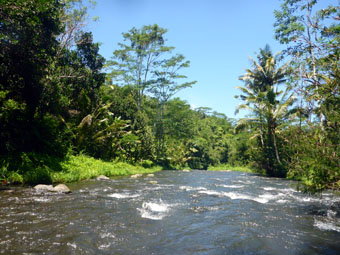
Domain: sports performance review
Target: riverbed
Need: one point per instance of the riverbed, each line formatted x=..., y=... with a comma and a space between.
x=173, y=212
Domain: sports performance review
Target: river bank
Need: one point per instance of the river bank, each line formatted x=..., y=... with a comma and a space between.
x=226, y=167
x=36, y=169
x=73, y=169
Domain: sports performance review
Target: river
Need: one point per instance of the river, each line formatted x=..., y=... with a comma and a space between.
x=199, y=212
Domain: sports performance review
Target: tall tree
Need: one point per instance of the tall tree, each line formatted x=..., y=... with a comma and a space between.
x=312, y=39
x=135, y=63
x=261, y=95
x=74, y=17
x=166, y=86
x=147, y=65
x=306, y=31
x=28, y=44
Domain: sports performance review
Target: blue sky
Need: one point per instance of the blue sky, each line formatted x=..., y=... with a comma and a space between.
x=217, y=36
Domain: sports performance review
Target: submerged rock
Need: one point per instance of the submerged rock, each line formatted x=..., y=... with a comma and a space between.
x=153, y=182
x=335, y=207
x=102, y=177
x=136, y=175
x=61, y=188
x=44, y=187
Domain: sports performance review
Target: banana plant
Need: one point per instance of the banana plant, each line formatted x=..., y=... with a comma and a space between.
x=104, y=135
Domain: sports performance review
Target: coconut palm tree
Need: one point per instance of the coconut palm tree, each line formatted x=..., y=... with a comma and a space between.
x=265, y=72
x=268, y=105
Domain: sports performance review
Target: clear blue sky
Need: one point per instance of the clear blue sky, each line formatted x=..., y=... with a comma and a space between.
x=217, y=36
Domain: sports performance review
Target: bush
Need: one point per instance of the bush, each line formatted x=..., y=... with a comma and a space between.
x=15, y=178
x=40, y=175
x=147, y=163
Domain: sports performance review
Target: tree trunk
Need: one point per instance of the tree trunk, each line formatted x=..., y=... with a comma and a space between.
x=275, y=146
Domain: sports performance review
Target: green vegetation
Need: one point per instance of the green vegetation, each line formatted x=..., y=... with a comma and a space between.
x=34, y=169
x=82, y=167
x=294, y=109
x=122, y=113
x=227, y=167
x=268, y=112
x=312, y=38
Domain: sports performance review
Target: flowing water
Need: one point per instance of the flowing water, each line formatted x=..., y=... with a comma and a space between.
x=183, y=213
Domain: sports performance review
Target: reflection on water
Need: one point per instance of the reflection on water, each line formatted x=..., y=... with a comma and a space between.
x=179, y=213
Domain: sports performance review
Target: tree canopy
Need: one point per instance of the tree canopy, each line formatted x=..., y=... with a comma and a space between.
x=60, y=97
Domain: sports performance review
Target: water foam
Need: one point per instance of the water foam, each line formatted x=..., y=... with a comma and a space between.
x=245, y=182
x=282, y=201
x=269, y=188
x=305, y=199
x=326, y=225
x=104, y=246
x=272, y=196
x=73, y=245
x=189, y=188
x=231, y=186
x=331, y=214
x=41, y=199
x=107, y=235
x=154, y=211
x=234, y=195
x=123, y=195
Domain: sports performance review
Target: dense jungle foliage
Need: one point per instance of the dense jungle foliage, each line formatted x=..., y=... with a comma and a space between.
x=59, y=97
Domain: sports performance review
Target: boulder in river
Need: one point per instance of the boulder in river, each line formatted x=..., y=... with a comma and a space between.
x=62, y=188
x=102, y=177
x=150, y=175
x=44, y=187
x=136, y=175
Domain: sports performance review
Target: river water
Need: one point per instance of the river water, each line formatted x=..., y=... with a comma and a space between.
x=183, y=213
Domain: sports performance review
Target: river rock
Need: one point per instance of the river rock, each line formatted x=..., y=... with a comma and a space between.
x=186, y=170
x=102, y=177
x=62, y=188
x=43, y=187
x=153, y=182
x=150, y=175
x=136, y=175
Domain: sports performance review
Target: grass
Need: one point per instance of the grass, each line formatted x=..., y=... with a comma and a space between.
x=42, y=169
x=224, y=167
x=81, y=167
x=39, y=168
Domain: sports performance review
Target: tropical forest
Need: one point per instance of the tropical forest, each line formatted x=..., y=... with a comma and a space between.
x=68, y=116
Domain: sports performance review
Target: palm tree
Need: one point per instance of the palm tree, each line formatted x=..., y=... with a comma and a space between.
x=268, y=112
x=265, y=74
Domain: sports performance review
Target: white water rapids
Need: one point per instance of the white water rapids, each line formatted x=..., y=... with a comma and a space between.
x=172, y=213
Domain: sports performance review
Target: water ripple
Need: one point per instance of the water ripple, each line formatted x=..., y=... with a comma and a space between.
x=197, y=213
